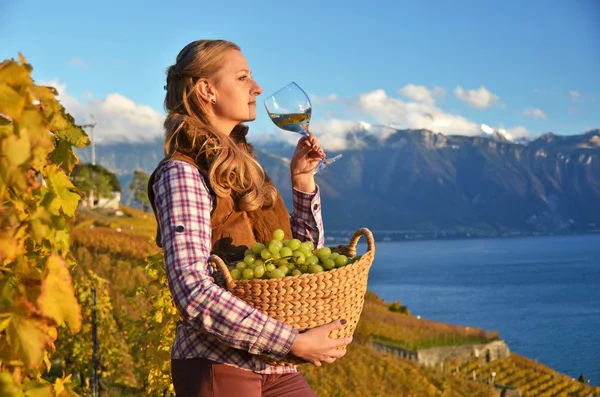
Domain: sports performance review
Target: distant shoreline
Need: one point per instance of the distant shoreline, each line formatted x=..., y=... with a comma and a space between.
x=343, y=236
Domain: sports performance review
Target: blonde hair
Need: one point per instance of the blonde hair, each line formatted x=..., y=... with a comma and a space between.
x=232, y=169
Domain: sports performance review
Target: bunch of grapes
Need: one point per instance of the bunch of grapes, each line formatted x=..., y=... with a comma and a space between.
x=280, y=258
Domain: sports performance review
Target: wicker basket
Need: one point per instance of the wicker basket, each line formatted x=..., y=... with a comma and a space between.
x=310, y=300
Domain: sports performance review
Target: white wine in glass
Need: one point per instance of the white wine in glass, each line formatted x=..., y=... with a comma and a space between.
x=290, y=109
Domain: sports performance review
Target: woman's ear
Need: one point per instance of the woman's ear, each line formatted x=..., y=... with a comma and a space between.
x=206, y=90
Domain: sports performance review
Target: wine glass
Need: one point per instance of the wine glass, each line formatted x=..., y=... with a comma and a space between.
x=290, y=109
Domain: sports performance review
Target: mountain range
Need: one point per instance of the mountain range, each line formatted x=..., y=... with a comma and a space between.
x=407, y=183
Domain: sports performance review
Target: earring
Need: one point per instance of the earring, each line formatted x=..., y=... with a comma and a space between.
x=213, y=101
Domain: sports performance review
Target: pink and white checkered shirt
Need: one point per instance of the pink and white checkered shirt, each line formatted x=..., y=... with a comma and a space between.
x=217, y=325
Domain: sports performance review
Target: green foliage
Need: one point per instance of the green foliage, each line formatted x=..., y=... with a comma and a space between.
x=139, y=189
x=397, y=307
x=88, y=177
x=36, y=291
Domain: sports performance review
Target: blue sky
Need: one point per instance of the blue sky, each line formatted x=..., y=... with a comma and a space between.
x=527, y=67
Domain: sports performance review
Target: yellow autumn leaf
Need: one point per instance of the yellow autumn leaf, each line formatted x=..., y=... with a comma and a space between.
x=7, y=386
x=14, y=75
x=57, y=299
x=59, y=184
x=39, y=224
x=37, y=389
x=16, y=149
x=11, y=103
x=33, y=124
x=10, y=247
x=28, y=339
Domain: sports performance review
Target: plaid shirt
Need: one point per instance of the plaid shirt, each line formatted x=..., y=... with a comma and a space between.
x=218, y=325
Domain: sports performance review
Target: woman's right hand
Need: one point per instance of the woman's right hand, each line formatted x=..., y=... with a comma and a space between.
x=315, y=345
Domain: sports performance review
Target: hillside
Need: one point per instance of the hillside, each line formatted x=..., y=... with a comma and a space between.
x=115, y=248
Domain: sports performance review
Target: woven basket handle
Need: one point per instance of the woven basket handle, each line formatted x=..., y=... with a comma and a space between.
x=357, y=235
x=218, y=264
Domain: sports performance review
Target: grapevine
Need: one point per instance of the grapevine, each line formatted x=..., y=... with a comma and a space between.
x=38, y=200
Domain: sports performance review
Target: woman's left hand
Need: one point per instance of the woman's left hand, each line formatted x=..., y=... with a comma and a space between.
x=305, y=159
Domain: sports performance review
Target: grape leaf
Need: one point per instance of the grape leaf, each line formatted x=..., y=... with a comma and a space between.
x=37, y=389
x=61, y=186
x=7, y=386
x=17, y=149
x=28, y=338
x=13, y=74
x=64, y=156
x=9, y=246
x=57, y=299
x=74, y=135
x=39, y=223
x=33, y=124
x=11, y=103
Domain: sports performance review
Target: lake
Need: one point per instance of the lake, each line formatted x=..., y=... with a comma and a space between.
x=542, y=294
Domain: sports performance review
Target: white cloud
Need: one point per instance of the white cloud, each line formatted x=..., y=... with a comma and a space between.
x=118, y=118
x=481, y=98
x=535, y=113
x=420, y=93
x=514, y=133
x=393, y=111
x=78, y=62
x=575, y=95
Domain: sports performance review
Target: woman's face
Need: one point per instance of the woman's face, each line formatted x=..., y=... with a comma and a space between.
x=235, y=90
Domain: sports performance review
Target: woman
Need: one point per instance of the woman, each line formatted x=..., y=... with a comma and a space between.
x=211, y=196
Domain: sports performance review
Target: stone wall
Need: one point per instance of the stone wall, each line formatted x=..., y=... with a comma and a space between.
x=436, y=355
x=490, y=351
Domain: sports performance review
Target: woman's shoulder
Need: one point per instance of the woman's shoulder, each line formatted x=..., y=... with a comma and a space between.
x=180, y=172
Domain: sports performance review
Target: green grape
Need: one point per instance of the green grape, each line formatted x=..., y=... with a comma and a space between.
x=294, y=244
x=299, y=257
x=259, y=271
x=270, y=267
x=265, y=253
x=247, y=252
x=284, y=269
x=259, y=262
x=323, y=253
x=248, y=274
x=276, y=273
x=311, y=260
x=276, y=255
x=292, y=266
x=285, y=242
x=341, y=261
x=274, y=247
x=296, y=272
x=334, y=255
x=286, y=252
x=305, y=251
x=315, y=268
x=241, y=265
x=278, y=235
x=303, y=268
x=329, y=264
x=257, y=247
x=249, y=259
x=236, y=274
x=309, y=245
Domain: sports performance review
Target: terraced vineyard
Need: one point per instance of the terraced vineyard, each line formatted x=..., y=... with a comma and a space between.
x=414, y=333
x=529, y=377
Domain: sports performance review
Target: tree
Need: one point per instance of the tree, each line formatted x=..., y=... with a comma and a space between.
x=95, y=181
x=138, y=188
